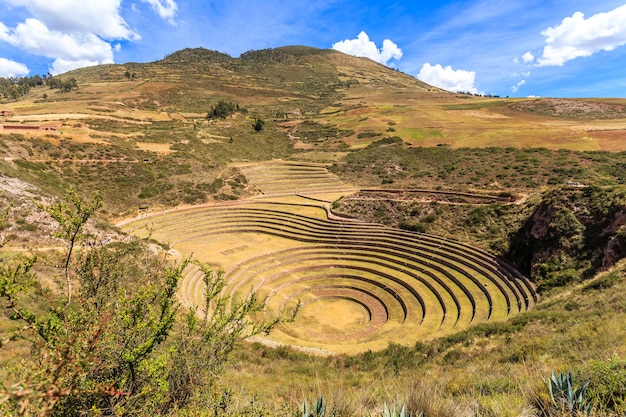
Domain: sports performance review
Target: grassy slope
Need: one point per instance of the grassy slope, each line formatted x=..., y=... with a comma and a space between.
x=317, y=104
x=492, y=369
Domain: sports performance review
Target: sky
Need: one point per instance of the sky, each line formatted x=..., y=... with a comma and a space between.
x=532, y=48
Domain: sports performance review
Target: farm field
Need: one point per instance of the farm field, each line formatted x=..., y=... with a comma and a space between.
x=358, y=286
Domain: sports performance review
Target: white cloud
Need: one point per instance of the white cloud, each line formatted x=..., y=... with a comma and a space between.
x=363, y=46
x=10, y=68
x=59, y=66
x=528, y=58
x=579, y=37
x=448, y=78
x=516, y=87
x=101, y=17
x=166, y=9
x=76, y=33
x=70, y=50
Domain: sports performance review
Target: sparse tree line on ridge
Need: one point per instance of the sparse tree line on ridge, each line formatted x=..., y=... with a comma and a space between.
x=13, y=88
x=469, y=93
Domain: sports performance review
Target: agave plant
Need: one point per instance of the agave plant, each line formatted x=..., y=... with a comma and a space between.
x=318, y=411
x=564, y=394
x=387, y=412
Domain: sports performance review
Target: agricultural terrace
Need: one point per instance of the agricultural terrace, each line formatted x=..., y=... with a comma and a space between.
x=358, y=285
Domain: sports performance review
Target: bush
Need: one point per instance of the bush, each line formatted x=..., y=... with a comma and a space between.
x=259, y=124
x=222, y=109
x=104, y=342
x=391, y=140
x=412, y=226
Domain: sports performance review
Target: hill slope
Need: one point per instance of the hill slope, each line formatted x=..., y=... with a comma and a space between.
x=140, y=130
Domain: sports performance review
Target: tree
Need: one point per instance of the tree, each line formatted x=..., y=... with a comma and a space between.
x=222, y=109
x=69, y=85
x=72, y=214
x=103, y=352
x=259, y=124
x=119, y=346
x=63, y=85
x=207, y=338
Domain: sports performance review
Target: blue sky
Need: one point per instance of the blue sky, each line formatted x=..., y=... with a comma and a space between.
x=565, y=48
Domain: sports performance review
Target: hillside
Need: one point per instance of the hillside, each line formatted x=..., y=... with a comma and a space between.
x=135, y=122
x=399, y=232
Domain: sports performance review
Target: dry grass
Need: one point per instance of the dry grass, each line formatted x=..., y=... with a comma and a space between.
x=162, y=148
x=374, y=100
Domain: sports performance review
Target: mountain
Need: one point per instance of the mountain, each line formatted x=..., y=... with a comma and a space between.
x=313, y=104
x=355, y=95
x=291, y=77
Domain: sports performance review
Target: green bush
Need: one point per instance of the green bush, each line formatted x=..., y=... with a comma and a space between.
x=603, y=282
x=222, y=109
x=412, y=226
x=111, y=339
x=259, y=124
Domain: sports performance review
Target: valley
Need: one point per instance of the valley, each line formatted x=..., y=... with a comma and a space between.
x=393, y=238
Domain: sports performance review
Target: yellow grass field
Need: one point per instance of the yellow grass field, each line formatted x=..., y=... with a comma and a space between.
x=359, y=285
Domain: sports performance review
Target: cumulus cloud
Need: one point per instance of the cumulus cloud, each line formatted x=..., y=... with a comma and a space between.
x=70, y=50
x=76, y=33
x=10, y=68
x=448, y=78
x=528, y=58
x=579, y=37
x=166, y=9
x=363, y=46
x=102, y=17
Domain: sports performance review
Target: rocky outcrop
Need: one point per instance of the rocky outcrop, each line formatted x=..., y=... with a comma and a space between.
x=571, y=233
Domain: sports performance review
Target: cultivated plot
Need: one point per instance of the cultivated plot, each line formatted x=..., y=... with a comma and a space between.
x=359, y=285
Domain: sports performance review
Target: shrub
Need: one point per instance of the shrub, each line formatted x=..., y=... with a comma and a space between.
x=104, y=343
x=391, y=140
x=603, y=282
x=567, y=397
x=412, y=226
x=222, y=109
x=259, y=124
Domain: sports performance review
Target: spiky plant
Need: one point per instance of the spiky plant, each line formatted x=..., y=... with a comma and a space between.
x=565, y=395
x=309, y=411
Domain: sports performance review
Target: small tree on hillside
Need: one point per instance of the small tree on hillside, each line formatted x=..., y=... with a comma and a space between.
x=259, y=124
x=69, y=85
x=222, y=109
